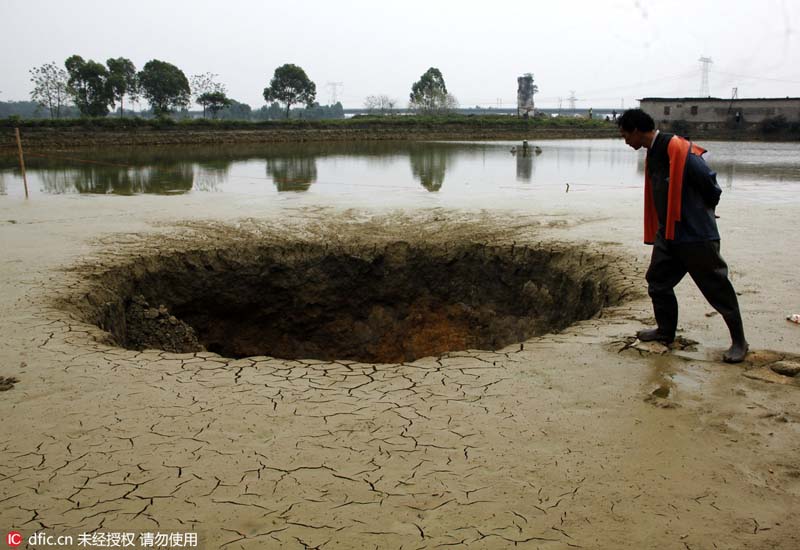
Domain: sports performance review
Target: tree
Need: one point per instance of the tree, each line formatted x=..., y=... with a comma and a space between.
x=50, y=87
x=272, y=111
x=379, y=104
x=236, y=111
x=319, y=112
x=290, y=85
x=89, y=86
x=429, y=93
x=214, y=102
x=122, y=80
x=203, y=84
x=164, y=86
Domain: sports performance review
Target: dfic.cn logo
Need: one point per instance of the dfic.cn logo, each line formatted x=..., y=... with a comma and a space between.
x=14, y=539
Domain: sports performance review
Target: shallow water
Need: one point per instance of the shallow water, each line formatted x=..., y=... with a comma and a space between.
x=394, y=173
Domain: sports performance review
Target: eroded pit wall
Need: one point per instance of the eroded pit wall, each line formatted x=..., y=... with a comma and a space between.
x=385, y=302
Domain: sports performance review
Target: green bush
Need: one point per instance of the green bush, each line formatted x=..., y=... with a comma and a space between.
x=406, y=122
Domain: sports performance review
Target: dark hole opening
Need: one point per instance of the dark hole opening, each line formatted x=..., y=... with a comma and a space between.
x=390, y=304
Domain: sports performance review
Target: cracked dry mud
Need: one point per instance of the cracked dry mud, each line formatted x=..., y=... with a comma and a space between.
x=552, y=442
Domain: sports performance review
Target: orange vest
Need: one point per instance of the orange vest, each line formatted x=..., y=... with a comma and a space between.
x=678, y=151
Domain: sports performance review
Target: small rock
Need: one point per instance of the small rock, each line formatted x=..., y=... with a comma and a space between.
x=173, y=320
x=150, y=313
x=786, y=368
x=162, y=309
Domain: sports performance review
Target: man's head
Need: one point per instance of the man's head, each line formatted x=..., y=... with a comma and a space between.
x=636, y=127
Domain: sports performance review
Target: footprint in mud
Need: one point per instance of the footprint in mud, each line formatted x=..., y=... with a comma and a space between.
x=6, y=383
x=659, y=397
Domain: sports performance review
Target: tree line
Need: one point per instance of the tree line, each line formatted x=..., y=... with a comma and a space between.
x=95, y=89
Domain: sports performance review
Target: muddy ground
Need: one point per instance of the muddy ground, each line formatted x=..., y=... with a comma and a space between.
x=573, y=439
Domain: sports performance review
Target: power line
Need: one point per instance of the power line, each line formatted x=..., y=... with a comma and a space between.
x=759, y=77
x=683, y=75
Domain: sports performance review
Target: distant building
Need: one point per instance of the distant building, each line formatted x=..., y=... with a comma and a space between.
x=714, y=110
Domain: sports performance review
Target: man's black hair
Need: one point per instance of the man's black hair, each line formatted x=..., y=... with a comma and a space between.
x=636, y=119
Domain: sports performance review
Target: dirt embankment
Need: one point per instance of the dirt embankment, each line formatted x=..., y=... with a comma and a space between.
x=59, y=137
x=43, y=138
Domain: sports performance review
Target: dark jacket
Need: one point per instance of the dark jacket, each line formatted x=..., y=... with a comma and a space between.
x=681, y=192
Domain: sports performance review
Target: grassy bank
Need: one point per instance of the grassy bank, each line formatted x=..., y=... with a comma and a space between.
x=359, y=122
x=43, y=134
x=72, y=133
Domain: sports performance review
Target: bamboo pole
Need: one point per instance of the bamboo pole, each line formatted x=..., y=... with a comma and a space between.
x=22, y=162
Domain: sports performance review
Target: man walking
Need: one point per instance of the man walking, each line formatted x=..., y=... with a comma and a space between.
x=681, y=193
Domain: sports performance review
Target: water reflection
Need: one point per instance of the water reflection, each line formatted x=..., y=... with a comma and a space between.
x=292, y=173
x=160, y=180
x=212, y=173
x=351, y=168
x=524, y=166
x=429, y=164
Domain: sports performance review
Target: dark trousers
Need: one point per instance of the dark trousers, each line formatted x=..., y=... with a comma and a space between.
x=701, y=260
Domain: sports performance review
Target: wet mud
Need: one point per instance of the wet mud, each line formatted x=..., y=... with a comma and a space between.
x=577, y=437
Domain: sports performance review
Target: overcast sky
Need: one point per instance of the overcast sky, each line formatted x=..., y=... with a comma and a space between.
x=609, y=52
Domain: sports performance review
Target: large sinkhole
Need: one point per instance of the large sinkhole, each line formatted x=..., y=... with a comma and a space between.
x=384, y=303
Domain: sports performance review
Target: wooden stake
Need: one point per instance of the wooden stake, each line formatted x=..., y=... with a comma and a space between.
x=22, y=162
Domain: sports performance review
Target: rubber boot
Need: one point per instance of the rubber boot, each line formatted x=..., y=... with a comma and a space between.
x=654, y=335
x=739, y=346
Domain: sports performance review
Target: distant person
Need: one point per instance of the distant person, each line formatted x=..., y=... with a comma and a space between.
x=681, y=193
